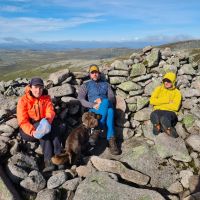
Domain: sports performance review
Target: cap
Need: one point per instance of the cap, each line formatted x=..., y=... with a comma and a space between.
x=93, y=68
x=36, y=81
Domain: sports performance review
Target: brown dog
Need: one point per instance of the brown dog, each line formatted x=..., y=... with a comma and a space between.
x=77, y=140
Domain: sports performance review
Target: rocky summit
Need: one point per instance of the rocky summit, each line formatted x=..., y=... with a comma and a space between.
x=149, y=167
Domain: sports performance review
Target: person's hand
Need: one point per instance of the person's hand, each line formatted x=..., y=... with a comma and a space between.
x=96, y=106
x=37, y=135
x=98, y=100
x=171, y=101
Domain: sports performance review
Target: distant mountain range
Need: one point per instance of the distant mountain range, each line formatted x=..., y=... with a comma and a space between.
x=66, y=45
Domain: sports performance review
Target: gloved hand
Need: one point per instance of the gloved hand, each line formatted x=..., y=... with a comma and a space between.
x=43, y=128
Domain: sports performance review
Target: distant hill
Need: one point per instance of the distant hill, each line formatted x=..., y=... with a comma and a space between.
x=189, y=44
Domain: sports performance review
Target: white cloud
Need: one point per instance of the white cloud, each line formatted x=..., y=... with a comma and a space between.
x=26, y=25
x=11, y=9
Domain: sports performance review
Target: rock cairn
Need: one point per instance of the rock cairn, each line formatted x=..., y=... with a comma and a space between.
x=149, y=167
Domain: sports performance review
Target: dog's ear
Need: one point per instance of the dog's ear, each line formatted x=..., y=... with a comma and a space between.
x=85, y=116
x=98, y=116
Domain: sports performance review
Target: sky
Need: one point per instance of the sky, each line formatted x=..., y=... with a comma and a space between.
x=99, y=20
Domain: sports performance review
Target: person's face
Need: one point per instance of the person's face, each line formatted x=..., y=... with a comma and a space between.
x=37, y=90
x=94, y=75
x=167, y=84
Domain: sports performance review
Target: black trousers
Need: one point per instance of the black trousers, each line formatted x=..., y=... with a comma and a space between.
x=165, y=118
x=50, y=143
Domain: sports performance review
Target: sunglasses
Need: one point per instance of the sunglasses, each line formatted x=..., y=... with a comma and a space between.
x=94, y=72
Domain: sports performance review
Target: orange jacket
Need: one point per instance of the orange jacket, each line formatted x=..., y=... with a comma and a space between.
x=29, y=107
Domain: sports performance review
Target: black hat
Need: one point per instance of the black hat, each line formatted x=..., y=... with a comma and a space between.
x=37, y=81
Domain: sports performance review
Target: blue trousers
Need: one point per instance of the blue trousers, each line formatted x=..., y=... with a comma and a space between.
x=107, y=117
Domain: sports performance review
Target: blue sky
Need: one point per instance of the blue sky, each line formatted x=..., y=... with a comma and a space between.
x=99, y=20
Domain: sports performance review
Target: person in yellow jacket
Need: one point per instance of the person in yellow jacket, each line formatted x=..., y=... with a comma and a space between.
x=166, y=101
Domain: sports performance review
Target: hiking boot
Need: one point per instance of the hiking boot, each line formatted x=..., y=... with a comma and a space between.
x=49, y=166
x=94, y=136
x=113, y=146
x=171, y=131
x=156, y=129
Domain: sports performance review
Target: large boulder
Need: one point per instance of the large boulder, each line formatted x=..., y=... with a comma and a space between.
x=100, y=186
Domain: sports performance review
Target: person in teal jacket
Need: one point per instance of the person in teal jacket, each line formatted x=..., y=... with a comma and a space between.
x=166, y=100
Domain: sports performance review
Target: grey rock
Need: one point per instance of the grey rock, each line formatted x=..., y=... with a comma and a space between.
x=117, y=167
x=187, y=69
x=151, y=86
x=80, y=75
x=128, y=86
x=2, y=87
x=185, y=176
x=181, y=131
x=71, y=184
x=128, y=62
x=119, y=65
x=131, y=100
x=56, y=180
x=175, y=188
x=167, y=52
x=117, y=80
x=70, y=100
x=100, y=186
x=153, y=58
x=194, y=142
x=139, y=156
x=84, y=171
x=60, y=76
x=118, y=73
x=137, y=70
x=169, y=68
x=15, y=147
x=132, y=107
x=147, y=129
x=12, y=123
x=194, y=183
x=136, y=92
x=121, y=93
x=147, y=49
x=35, y=182
x=15, y=173
x=3, y=148
x=124, y=133
x=60, y=91
x=48, y=195
x=5, y=128
x=120, y=104
x=143, y=115
x=167, y=146
x=142, y=78
x=142, y=102
x=24, y=161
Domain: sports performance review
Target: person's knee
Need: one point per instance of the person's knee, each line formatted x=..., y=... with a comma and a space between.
x=154, y=117
x=165, y=122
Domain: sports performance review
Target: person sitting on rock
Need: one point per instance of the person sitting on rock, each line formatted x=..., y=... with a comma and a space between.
x=35, y=114
x=166, y=100
x=97, y=95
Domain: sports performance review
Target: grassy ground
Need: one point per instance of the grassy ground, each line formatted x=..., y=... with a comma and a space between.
x=14, y=64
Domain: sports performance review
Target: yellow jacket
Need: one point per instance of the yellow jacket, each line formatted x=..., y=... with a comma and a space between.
x=166, y=99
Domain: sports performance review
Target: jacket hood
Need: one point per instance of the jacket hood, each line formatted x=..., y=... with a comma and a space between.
x=171, y=76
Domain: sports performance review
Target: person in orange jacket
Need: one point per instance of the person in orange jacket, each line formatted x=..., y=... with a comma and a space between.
x=35, y=115
x=166, y=100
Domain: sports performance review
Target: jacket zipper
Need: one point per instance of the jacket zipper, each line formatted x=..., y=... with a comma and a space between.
x=35, y=110
x=39, y=109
